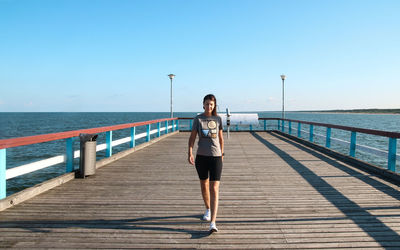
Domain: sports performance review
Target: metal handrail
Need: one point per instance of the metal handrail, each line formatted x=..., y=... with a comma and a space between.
x=392, y=144
x=347, y=128
x=28, y=140
x=70, y=153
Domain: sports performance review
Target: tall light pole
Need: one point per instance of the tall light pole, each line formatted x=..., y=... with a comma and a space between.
x=283, y=77
x=171, y=76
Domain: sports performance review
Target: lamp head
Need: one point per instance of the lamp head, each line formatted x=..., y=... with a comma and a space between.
x=283, y=77
x=171, y=76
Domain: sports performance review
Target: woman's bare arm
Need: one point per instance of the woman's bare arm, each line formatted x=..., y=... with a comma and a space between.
x=221, y=142
x=192, y=139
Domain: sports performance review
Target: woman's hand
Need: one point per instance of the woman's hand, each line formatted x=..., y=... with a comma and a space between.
x=191, y=159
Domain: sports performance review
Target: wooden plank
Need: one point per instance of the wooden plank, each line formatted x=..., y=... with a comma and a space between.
x=273, y=195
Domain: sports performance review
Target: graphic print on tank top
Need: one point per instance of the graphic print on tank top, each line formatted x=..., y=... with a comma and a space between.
x=211, y=130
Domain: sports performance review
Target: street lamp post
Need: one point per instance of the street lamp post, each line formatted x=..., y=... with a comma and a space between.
x=171, y=76
x=283, y=77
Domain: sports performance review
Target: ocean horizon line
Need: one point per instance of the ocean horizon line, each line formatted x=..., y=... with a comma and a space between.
x=354, y=111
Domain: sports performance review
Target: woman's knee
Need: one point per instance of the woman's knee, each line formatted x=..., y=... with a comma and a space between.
x=204, y=184
x=214, y=186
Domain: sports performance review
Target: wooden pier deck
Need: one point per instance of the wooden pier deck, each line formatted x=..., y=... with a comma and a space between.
x=275, y=193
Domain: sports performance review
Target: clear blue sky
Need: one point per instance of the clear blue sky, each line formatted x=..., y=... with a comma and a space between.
x=116, y=55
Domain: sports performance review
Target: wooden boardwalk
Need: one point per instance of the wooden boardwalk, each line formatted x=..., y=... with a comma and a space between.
x=275, y=193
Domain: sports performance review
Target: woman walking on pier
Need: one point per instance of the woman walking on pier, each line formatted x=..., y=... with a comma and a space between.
x=209, y=157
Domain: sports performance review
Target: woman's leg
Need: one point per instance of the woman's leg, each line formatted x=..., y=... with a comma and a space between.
x=205, y=191
x=202, y=171
x=214, y=197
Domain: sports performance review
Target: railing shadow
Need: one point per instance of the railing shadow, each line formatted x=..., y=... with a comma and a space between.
x=339, y=200
x=145, y=223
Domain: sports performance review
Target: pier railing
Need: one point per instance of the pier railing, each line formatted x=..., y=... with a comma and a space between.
x=296, y=128
x=287, y=126
x=162, y=126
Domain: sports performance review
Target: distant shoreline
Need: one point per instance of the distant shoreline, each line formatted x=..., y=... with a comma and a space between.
x=358, y=111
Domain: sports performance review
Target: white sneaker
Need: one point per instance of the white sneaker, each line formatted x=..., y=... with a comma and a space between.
x=213, y=228
x=207, y=215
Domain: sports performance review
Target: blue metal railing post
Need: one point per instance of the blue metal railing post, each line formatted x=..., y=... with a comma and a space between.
x=237, y=127
x=70, y=155
x=311, y=133
x=133, y=132
x=265, y=125
x=3, y=182
x=251, y=127
x=279, y=124
x=109, y=143
x=328, y=137
x=299, y=130
x=290, y=127
x=158, y=129
x=392, y=154
x=191, y=125
x=166, y=127
x=353, y=144
x=177, y=125
x=173, y=125
x=148, y=132
x=283, y=126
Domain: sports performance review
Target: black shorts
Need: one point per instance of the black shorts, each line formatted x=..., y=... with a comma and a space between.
x=209, y=165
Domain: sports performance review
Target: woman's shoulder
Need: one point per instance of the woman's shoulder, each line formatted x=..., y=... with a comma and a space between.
x=198, y=118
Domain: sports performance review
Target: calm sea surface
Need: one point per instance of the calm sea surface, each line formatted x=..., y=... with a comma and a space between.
x=14, y=125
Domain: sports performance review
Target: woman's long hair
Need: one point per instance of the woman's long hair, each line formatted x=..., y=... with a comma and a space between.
x=211, y=97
